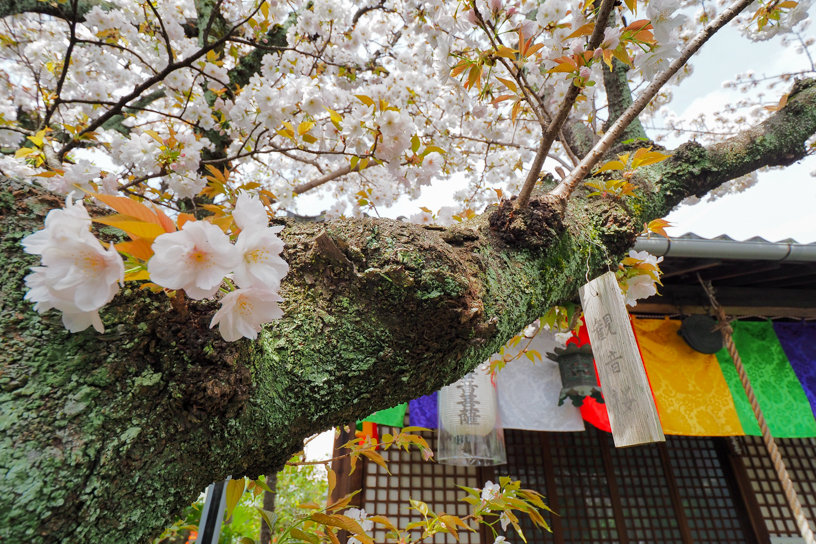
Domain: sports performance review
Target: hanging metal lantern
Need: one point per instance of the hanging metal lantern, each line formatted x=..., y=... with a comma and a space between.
x=700, y=334
x=470, y=433
x=578, y=379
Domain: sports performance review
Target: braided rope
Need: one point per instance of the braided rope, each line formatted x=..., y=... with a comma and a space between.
x=776, y=457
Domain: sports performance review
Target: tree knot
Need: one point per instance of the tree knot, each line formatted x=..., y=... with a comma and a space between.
x=535, y=225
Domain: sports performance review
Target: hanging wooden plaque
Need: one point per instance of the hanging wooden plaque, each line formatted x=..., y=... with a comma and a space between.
x=629, y=402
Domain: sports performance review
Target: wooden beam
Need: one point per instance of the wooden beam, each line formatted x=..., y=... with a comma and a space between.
x=693, y=295
x=669, y=309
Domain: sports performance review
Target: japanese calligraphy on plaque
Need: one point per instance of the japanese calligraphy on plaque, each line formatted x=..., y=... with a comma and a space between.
x=629, y=402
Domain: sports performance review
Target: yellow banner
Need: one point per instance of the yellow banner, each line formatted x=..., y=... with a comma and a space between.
x=692, y=395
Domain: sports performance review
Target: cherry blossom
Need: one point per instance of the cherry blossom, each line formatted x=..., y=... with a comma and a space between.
x=664, y=18
x=46, y=298
x=490, y=491
x=260, y=263
x=361, y=517
x=243, y=311
x=195, y=259
x=78, y=275
x=639, y=287
x=60, y=224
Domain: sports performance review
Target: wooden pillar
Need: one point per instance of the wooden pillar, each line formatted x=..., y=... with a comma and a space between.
x=347, y=482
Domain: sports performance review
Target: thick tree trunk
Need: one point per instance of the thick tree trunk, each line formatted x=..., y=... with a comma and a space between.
x=106, y=436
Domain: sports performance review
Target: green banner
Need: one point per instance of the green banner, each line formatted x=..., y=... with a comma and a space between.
x=778, y=391
x=392, y=417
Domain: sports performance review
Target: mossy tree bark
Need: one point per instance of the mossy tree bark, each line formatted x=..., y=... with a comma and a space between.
x=106, y=436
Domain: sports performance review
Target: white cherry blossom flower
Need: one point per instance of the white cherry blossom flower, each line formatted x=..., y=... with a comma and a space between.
x=261, y=263
x=361, y=517
x=422, y=218
x=661, y=13
x=78, y=275
x=258, y=245
x=243, y=311
x=391, y=122
x=84, y=267
x=657, y=60
x=639, y=287
x=250, y=213
x=195, y=259
x=60, y=224
x=645, y=256
x=611, y=38
x=490, y=491
x=45, y=298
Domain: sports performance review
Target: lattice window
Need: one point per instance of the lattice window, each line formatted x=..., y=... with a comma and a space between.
x=526, y=463
x=412, y=478
x=583, y=490
x=799, y=456
x=707, y=499
x=647, y=509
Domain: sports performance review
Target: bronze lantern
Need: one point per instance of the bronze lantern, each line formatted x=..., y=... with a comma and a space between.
x=578, y=379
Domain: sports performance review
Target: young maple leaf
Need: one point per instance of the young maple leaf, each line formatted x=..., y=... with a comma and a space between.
x=657, y=226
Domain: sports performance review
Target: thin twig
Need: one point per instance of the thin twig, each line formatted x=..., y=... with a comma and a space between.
x=139, y=89
x=568, y=184
x=554, y=128
x=66, y=64
x=300, y=189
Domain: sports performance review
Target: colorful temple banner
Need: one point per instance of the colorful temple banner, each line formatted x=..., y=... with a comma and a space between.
x=392, y=417
x=691, y=392
x=696, y=394
x=422, y=412
x=777, y=388
x=799, y=342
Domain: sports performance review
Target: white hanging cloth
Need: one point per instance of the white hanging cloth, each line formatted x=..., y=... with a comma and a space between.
x=528, y=393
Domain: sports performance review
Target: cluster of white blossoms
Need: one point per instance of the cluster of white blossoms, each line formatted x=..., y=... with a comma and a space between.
x=79, y=276
x=666, y=22
x=642, y=285
x=199, y=257
x=299, y=117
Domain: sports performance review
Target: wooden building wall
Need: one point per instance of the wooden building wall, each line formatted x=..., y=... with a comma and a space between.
x=701, y=490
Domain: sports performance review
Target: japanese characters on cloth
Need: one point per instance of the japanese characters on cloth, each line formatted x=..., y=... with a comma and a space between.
x=528, y=393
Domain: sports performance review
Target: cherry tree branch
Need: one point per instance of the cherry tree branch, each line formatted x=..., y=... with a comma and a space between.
x=568, y=184
x=554, y=128
x=66, y=64
x=309, y=185
x=139, y=89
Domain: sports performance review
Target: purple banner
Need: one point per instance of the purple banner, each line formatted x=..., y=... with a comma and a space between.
x=422, y=412
x=799, y=342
